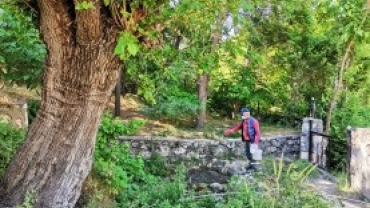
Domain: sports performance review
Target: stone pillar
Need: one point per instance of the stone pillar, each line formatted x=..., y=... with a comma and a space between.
x=319, y=144
x=359, y=161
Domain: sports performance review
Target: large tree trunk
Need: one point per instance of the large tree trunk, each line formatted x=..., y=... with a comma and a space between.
x=80, y=73
x=236, y=109
x=202, y=96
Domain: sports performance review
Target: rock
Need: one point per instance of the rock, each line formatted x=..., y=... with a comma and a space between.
x=134, y=144
x=180, y=151
x=237, y=167
x=184, y=145
x=216, y=187
x=193, y=155
x=200, y=187
x=276, y=142
x=247, y=177
x=262, y=145
x=146, y=154
x=290, y=142
x=164, y=151
x=219, y=164
x=239, y=151
x=206, y=175
x=217, y=150
x=271, y=149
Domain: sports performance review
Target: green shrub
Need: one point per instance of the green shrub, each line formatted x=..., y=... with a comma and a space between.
x=174, y=108
x=155, y=192
x=279, y=186
x=99, y=200
x=156, y=165
x=114, y=164
x=110, y=128
x=351, y=113
x=10, y=138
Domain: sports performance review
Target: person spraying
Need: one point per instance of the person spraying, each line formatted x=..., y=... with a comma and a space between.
x=250, y=130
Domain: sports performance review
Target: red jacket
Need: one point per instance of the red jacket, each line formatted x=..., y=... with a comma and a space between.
x=238, y=127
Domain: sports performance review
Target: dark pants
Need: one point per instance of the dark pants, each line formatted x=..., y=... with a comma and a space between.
x=249, y=154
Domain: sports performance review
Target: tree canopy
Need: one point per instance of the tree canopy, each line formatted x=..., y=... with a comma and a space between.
x=184, y=59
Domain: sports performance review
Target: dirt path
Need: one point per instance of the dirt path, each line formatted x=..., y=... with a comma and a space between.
x=329, y=190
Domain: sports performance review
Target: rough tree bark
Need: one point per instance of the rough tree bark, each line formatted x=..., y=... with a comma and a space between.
x=202, y=96
x=80, y=74
x=236, y=109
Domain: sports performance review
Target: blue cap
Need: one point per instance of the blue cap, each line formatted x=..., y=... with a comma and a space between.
x=243, y=110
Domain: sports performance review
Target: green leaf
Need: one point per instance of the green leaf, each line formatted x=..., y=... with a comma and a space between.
x=120, y=48
x=26, y=77
x=84, y=5
x=106, y=2
x=247, y=5
x=133, y=49
x=127, y=46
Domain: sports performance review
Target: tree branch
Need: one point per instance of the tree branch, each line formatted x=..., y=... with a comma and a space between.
x=338, y=87
x=55, y=27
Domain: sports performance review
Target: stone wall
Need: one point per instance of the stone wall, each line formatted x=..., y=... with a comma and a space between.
x=359, y=152
x=176, y=148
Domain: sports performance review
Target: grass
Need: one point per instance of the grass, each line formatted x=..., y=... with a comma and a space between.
x=15, y=94
x=344, y=187
x=281, y=184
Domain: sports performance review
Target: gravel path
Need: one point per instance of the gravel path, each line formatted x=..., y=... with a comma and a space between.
x=329, y=191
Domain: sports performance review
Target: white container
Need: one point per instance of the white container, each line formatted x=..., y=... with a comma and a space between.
x=256, y=152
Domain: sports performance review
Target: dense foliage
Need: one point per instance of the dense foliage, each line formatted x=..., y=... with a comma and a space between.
x=110, y=156
x=10, y=138
x=21, y=49
x=128, y=181
x=119, y=179
x=295, y=50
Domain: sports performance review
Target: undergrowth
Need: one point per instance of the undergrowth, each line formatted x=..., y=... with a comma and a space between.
x=120, y=179
x=10, y=138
